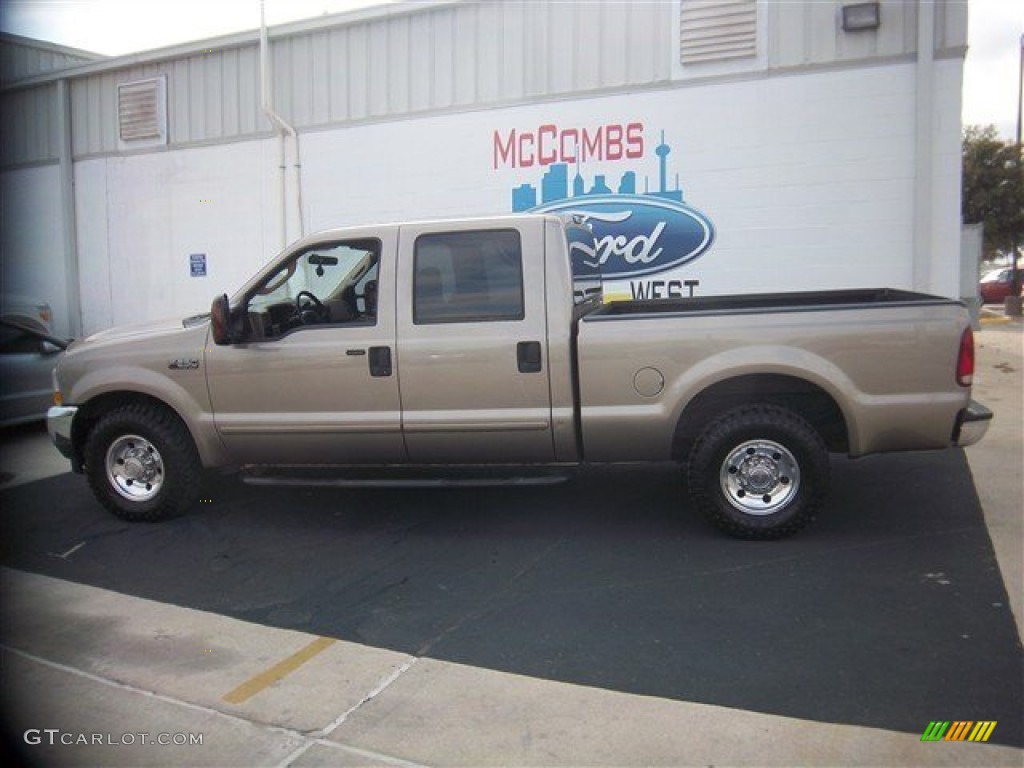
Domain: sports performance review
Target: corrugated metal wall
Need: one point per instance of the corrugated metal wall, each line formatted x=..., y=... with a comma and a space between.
x=469, y=55
x=437, y=58
x=452, y=57
x=808, y=33
x=211, y=96
x=28, y=117
x=21, y=58
x=29, y=132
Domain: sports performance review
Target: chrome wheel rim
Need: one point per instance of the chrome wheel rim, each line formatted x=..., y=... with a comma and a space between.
x=135, y=468
x=759, y=477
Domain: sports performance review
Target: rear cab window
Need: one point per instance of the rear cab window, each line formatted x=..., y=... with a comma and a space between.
x=585, y=263
x=468, y=277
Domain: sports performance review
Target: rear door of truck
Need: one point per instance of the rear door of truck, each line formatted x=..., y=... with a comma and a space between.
x=472, y=343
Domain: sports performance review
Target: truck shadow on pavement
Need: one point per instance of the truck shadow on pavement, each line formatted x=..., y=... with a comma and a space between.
x=888, y=612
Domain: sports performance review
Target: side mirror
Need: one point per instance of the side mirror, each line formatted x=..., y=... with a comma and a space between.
x=220, y=320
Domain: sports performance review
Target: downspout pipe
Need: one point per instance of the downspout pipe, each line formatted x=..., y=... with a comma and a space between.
x=924, y=147
x=1015, y=279
x=284, y=132
x=67, y=207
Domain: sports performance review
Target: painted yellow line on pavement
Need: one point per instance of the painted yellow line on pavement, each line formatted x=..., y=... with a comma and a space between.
x=990, y=320
x=283, y=668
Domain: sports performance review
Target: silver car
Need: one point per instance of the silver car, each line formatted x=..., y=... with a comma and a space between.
x=28, y=354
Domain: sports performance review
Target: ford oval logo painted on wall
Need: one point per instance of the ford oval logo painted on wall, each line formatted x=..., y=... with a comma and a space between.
x=638, y=234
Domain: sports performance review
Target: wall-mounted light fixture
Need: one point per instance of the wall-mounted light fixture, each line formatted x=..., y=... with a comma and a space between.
x=861, y=16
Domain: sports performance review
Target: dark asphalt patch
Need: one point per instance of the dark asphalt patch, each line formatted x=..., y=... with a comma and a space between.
x=888, y=612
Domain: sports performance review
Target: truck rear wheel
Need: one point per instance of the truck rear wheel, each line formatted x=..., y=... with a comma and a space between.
x=759, y=472
x=142, y=464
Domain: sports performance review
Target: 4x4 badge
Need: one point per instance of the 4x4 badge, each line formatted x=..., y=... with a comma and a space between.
x=184, y=364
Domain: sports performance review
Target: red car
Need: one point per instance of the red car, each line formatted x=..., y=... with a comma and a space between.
x=995, y=285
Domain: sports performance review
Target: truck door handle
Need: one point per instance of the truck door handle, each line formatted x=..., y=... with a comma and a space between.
x=380, y=361
x=528, y=355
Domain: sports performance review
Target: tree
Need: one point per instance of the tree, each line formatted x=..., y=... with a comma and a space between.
x=993, y=189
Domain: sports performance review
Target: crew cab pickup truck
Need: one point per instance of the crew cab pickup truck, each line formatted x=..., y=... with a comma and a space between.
x=470, y=344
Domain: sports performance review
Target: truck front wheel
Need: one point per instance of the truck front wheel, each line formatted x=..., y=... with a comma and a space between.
x=759, y=472
x=141, y=463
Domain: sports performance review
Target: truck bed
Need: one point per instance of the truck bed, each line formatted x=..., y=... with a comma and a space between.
x=884, y=359
x=807, y=301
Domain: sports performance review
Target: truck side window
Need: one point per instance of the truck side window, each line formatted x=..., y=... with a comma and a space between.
x=332, y=283
x=467, y=277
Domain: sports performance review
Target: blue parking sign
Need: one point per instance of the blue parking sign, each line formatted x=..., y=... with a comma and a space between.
x=197, y=264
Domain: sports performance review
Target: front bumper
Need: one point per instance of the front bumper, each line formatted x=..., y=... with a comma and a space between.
x=58, y=424
x=971, y=424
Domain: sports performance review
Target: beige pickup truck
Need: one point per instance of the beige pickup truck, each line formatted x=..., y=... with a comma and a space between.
x=477, y=349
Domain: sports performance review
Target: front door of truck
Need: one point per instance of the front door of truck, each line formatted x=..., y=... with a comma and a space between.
x=315, y=379
x=473, y=344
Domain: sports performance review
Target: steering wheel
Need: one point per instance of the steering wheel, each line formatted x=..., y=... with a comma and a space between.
x=314, y=306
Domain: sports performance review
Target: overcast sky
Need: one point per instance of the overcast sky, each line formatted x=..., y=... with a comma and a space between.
x=114, y=27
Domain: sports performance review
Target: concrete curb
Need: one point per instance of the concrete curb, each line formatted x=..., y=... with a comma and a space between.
x=354, y=705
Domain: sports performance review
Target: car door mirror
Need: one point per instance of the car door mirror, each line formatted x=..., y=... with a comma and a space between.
x=220, y=321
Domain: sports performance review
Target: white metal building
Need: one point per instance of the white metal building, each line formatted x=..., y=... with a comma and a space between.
x=811, y=144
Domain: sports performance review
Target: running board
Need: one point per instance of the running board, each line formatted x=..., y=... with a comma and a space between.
x=471, y=481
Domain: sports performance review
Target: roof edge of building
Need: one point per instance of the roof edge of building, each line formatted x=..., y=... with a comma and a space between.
x=46, y=45
x=220, y=42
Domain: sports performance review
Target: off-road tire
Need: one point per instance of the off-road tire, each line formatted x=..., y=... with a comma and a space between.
x=142, y=464
x=759, y=472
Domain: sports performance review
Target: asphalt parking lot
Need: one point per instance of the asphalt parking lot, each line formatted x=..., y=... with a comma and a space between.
x=888, y=613
x=604, y=581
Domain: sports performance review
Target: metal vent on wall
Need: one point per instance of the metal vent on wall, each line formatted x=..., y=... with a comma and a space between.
x=141, y=111
x=715, y=30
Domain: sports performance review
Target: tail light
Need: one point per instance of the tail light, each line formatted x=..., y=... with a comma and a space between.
x=965, y=359
x=58, y=396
